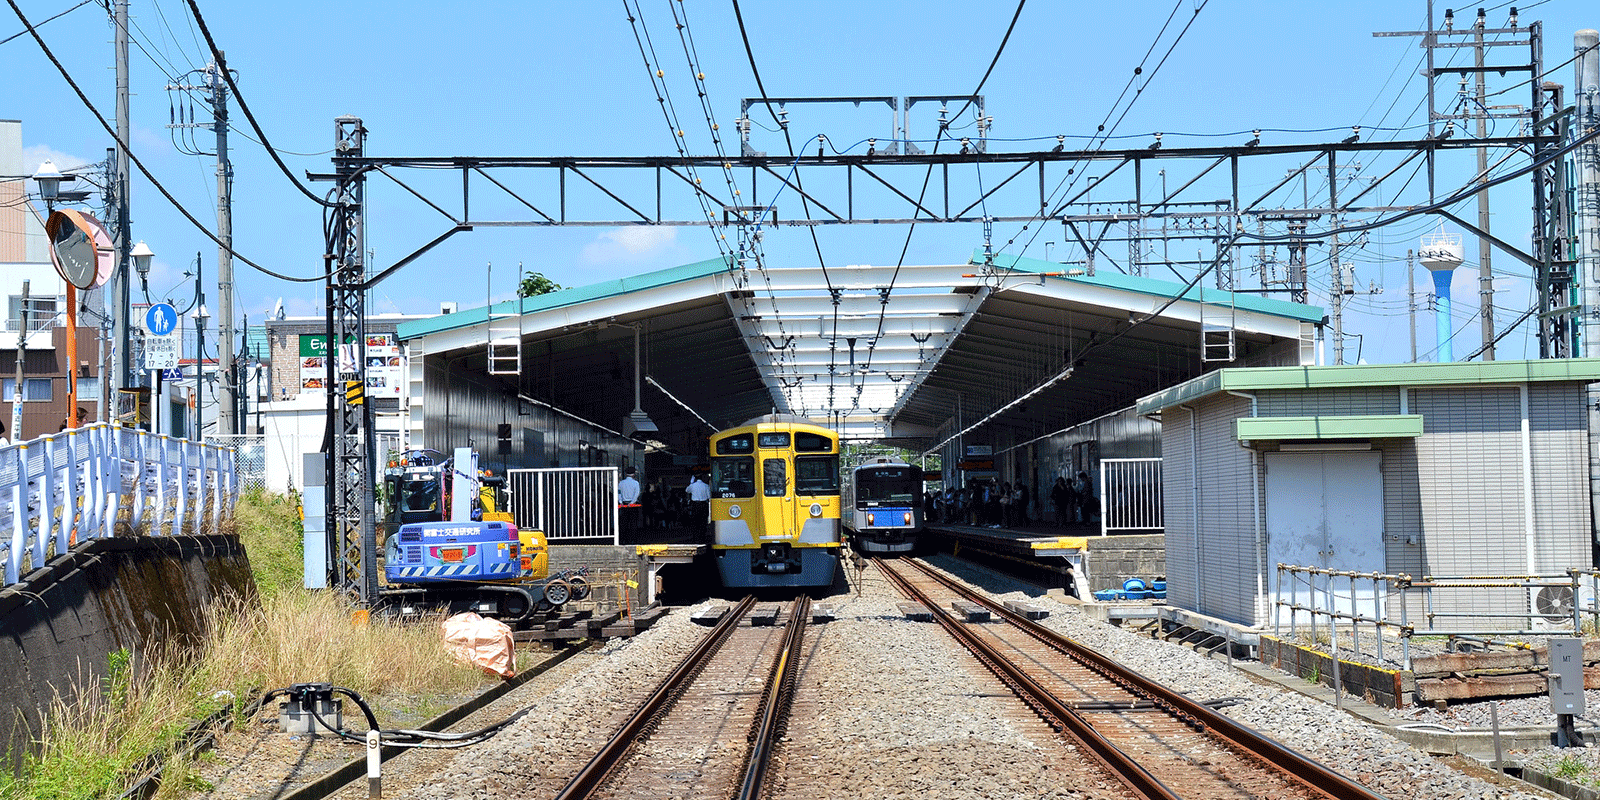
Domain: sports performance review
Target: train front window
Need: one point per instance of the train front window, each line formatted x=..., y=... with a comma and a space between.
x=774, y=440
x=774, y=477
x=886, y=486
x=733, y=476
x=815, y=475
x=812, y=443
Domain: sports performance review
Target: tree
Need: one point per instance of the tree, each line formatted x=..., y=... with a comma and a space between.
x=536, y=283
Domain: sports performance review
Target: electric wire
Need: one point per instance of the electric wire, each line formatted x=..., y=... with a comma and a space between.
x=943, y=134
x=46, y=20
x=227, y=75
x=140, y=164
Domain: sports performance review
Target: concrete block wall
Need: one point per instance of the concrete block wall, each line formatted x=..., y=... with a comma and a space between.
x=1113, y=559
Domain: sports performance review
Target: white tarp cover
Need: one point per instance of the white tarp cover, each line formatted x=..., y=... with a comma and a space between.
x=481, y=641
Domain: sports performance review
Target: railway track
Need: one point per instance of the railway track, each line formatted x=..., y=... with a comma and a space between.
x=1161, y=744
x=708, y=730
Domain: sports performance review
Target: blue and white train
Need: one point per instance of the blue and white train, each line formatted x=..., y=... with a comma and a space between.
x=883, y=506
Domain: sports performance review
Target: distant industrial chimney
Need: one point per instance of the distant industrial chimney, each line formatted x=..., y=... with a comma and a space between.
x=1441, y=254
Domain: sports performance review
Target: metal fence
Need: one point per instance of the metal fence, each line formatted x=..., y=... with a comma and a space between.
x=91, y=482
x=1324, y=602
x=1130, y=495
x=250, y=458
x=569, y=504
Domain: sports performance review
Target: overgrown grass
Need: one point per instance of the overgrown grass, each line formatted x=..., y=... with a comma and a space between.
x=97, y=734
x=270, y=528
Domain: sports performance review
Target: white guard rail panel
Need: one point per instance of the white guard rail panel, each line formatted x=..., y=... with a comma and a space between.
x=103, y=480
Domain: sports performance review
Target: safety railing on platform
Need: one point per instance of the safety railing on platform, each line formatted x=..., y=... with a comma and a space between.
x=100, y=481
x=1461, y=606
x=570, y=504
x=1130, y=495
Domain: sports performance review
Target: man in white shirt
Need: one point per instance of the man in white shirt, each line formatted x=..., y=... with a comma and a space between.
x=699, y=504
x=628, y=501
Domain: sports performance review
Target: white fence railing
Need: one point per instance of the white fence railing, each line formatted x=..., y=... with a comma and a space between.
x=99, y=480
x=1130, y=495
x=567, y=503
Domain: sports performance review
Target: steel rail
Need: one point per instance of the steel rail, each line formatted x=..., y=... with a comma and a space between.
x=1310, y=773
x=593, y=773
x=1109, y=756
x=775, y=706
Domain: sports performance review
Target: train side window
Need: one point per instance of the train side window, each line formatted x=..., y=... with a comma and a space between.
x=816, y=475
x=774, y=477
x=812, y=443
x=732, y=476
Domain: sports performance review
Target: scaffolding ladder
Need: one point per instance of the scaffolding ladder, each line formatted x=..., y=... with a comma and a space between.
x=1217, y=340
x=504, y=331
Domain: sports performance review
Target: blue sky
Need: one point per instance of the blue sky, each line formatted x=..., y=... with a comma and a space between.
x=553, y=79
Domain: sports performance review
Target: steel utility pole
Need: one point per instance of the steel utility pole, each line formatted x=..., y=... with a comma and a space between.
x=121, y=361
x=225, y=365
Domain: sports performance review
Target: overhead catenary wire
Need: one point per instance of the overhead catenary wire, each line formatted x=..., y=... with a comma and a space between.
x=140, y=164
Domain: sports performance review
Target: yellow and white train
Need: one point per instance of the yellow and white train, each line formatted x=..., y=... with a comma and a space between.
x=775, y=503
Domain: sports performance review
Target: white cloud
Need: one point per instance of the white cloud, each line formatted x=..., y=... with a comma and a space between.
x=635, y=243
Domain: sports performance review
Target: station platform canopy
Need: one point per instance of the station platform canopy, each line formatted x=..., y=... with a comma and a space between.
x=907, y=354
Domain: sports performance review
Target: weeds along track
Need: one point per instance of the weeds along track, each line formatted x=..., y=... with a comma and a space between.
x=1161, y=744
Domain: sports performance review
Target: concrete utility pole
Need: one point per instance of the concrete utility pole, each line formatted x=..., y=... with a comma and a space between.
x=1411, y=299
x=1586, y=98
x=1485, y=276
x=121, y=358
x=225, y=351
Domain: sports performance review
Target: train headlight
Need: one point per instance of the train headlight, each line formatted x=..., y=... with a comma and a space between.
x=872, y=519
x=908, y=518
x=816, y=509
x=734, y=511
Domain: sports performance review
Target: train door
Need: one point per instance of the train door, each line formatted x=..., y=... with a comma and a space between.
x=774, y=454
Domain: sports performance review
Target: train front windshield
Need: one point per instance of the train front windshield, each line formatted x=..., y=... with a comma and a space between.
x=897, y=486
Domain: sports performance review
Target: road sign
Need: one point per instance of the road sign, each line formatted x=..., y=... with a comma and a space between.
x=161, y=319
x=174, y=374
x=354, y=393
x=161, y=352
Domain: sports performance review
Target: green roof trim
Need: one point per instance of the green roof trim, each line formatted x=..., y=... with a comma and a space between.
x=1374, y=426
x=1455, y=373
x=565, y=297
x=1157, y=288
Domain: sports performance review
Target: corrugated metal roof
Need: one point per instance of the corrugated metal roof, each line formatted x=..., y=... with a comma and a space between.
x=882, y=351
x=1459, y=373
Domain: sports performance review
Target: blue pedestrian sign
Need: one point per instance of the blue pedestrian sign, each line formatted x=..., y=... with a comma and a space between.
x=161, y=319
x=172, y=374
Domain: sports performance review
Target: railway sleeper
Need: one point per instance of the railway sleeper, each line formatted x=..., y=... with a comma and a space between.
x=765, y=615
x=709, y=615
x=916, y=612
x=970, y=611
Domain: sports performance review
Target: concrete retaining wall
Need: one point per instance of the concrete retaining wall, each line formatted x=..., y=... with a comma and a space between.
x=1383, y=687
x=1113, y=559
x=63, y=622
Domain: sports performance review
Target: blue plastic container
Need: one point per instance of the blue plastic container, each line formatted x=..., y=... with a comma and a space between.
x=1133, y=585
